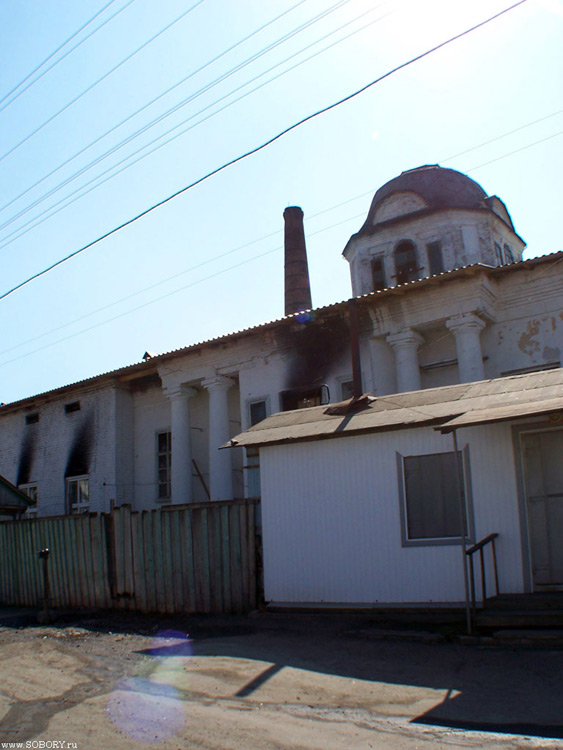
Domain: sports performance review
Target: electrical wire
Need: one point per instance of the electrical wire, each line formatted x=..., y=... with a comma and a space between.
x=46, y=60
x=163, y=296
x=99, y=80
x=68, y=52
x=97, y=181
x=167, y=114
x=261, y=147
x=189, y=270
x=151, y=102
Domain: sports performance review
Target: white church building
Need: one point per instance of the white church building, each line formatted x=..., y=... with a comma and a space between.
x=440, y=296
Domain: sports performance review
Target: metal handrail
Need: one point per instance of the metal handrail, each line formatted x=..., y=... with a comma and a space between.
x=478, y=547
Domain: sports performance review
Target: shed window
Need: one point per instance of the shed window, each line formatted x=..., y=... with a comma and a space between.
x=431, y=499
x=435, y=259
x=378, y=274
x=406, y=266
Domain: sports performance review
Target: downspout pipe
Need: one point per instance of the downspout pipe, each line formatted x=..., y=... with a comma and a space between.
x=463, y=516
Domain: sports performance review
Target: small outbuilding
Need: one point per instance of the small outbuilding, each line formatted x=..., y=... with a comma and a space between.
x=374, y=501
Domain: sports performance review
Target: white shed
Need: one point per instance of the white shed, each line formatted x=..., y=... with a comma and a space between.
x=361, y=503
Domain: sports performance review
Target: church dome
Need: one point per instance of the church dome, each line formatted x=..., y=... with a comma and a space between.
x=427, y=188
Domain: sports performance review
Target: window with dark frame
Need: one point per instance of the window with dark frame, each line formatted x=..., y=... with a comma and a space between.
x=406, y=265
x=257, y=411
x=435, y=258
x=431, y=497
x=508, y=254
x=164, y=464
x=378, y=274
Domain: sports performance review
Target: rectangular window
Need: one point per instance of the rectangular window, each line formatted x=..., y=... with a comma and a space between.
x=72, y=407
x=31, y=490
x=252, y=472
x=257, y=411
x=378, y=274
x=77, y=495
x=32, y=418
x=164, y=464
x=498, y=252
x=431, y=498
x=435, y=259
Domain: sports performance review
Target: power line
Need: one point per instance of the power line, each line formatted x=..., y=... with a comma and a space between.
x=504, y=135
x=163, y=296
x=261, y=239
x=167, y=114
x=516, y=151
x=152, y=101
x=68, y=52
x=176, y=275
x=46, y=60
x=99, y=80
x=32, y=224
x=97, y=182
x=259, y=148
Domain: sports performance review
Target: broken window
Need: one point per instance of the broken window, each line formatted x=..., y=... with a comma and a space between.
x=406, y=266
x=435, y=259
x=32, y=491
x=257, y=411
x=378, y=274
x=77, y=495
x=303, y=398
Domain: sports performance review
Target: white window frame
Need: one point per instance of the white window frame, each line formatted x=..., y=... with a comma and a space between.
x=31, y=489
x=167, y=482
x=82, y=505
x=442, y=540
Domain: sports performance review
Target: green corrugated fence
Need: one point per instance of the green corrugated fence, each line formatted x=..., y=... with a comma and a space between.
x=192, y=558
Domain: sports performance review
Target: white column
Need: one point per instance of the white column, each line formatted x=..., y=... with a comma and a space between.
x=467, y=329
x=220, y=470
x=181, y=470
x=405, y=345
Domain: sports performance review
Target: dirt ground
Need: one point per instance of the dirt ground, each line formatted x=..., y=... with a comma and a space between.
x=322, y=682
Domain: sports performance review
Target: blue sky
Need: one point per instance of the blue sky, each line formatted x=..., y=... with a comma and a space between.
x=210, y=261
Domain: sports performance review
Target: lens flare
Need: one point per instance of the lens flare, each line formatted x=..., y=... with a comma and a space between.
x=152, y=709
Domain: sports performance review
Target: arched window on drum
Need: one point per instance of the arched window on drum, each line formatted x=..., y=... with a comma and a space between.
x=406, y=265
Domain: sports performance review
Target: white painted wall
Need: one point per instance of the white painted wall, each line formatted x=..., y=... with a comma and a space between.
x=332, y=523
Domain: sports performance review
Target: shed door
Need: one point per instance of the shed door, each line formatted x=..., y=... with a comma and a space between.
x=543, y=471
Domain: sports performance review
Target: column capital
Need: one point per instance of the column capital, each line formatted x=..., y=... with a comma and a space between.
x=179, y=391
x=465, y=322
x=405, y=338
x=218, y=383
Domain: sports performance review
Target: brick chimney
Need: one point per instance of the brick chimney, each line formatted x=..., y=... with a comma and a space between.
x=297, y=287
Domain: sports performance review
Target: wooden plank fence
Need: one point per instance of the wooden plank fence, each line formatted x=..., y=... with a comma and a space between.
x=192, y=558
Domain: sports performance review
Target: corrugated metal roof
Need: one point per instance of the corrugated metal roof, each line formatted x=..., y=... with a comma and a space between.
x=399, y=289
x=446, y=408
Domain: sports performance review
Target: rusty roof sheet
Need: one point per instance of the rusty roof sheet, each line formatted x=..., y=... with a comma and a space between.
x=445, y=408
